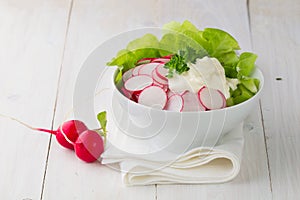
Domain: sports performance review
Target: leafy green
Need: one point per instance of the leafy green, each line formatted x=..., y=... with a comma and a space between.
x=256, y=82
x=218, y=42
x=144, y=47
x=245, y=90
x=250, y=84
x=102, y=121
x=172, y=43
x=173, y=26
x=222, y=46
x=191, y=32
x=190, y=54
x=229, y=59
x=187, y=43
x=246, y=64
x=229, y=102
x=176, y=64
x=179, y=37
x=244, y=95
x=230, y=72
x=168, y=45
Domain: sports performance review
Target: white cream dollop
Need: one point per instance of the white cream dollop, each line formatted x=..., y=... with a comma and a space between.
x=205, y=72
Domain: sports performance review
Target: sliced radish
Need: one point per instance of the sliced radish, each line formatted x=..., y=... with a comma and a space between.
x=191, y=102
x=166, y=88
x=158, y=79
x=127, y=75
x=126, y=93
x=170, y=93
x=211, y=98
x=168, y=56
x=135, y=96
x=138, y=83
x=147, y=69
x=136, y=70
x=175, y=103
x=162, y=72
x=161, y=60
x=144, y=61
x=131, y=95
x=153, y=96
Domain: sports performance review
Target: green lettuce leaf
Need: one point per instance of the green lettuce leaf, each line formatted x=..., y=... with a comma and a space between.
x=246, y=64
x=144, y=47
x=219, y=42
x=180, y=37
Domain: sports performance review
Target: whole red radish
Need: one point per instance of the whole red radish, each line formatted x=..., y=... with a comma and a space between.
x=72, y=134
x=89, y=146
x=68, y=132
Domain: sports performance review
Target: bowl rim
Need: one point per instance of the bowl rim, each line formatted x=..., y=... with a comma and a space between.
x=259, y=76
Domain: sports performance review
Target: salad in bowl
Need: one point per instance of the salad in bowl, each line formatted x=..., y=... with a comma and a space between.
x=186, y=70
x=181, y=89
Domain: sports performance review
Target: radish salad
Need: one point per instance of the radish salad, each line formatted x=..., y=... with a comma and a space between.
x=186, y=70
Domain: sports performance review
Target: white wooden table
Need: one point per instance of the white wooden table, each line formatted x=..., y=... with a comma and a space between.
x=42, y=47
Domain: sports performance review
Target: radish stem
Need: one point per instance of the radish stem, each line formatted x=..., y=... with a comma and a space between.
x=28, y=126
x=46, y=130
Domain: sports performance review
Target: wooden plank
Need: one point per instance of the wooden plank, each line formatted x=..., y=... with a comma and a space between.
x=31, y=38
x=276, y=29
x=253, y=181
x=92, y=22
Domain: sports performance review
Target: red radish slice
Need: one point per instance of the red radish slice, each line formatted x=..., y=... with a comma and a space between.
x=170, y=93
x=144, y=61
x=161, y=60
x=166, y=88
x=131, y=95
x=127, y=75
x=158, y=84
x=191, y=102
x=158, y=79
x=135, y=70
x=168, y=56
x=153, y=96
x=138, y=83
x=211, y=98
x=147, y=69
x=126, y=93
x=135, y=96
x=162, y=72
x=175, y=103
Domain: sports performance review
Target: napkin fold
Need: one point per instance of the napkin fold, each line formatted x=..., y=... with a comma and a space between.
x=217, y=164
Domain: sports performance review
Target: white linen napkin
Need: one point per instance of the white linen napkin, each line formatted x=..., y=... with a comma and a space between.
x=199, y=165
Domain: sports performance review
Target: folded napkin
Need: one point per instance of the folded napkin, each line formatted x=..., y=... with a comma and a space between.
x=216, y=164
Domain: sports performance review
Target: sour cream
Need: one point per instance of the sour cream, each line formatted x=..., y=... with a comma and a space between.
x=205, y=72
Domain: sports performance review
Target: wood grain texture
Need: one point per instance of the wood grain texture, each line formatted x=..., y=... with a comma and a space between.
x=31, y=38
x=92, y=22
x=275, y=30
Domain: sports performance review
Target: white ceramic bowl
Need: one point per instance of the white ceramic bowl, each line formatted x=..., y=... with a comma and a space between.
x=139, y=129
x=176, y=131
